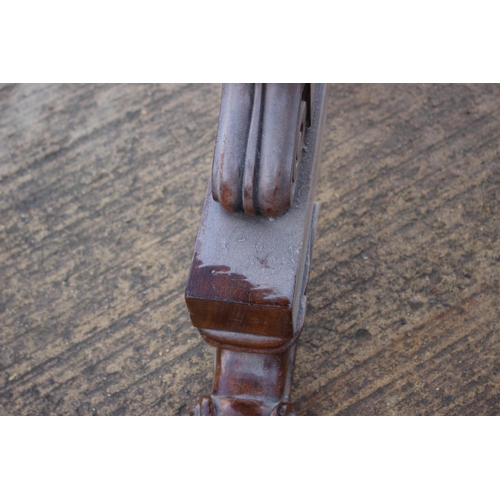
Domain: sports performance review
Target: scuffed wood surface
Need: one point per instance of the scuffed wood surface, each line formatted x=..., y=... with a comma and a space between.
x=100, y=198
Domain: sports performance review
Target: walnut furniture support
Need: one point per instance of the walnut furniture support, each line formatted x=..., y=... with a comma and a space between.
x=246, y=290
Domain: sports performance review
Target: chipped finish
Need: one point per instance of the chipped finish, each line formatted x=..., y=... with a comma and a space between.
x=264, y=257
x=219, y=282
x=100, y=193
x=253, y=327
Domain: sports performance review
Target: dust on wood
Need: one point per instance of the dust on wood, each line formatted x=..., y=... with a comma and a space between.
x=101, y=189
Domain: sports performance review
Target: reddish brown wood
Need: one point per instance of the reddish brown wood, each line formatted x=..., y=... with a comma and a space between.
x=249, y=384
x=248, y=278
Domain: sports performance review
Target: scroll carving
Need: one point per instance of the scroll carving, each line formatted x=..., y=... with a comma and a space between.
x=259, y=146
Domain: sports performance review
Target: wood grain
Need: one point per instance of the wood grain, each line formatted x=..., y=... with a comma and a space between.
x=100, y=198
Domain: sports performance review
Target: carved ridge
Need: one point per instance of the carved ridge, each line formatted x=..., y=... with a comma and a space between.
x=258, y=146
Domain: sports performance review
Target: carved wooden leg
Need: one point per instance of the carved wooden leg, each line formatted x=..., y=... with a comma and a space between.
x=247, y=283
x=249, y=384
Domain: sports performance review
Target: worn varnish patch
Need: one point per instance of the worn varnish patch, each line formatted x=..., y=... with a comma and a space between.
x=101, y=189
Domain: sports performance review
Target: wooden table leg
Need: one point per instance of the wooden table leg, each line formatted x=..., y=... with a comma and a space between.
x=246, y=291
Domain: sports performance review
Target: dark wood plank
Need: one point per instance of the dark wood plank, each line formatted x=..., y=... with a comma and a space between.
x=100, y=198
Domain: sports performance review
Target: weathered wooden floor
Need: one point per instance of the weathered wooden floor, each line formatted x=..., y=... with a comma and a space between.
x=100, y=197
